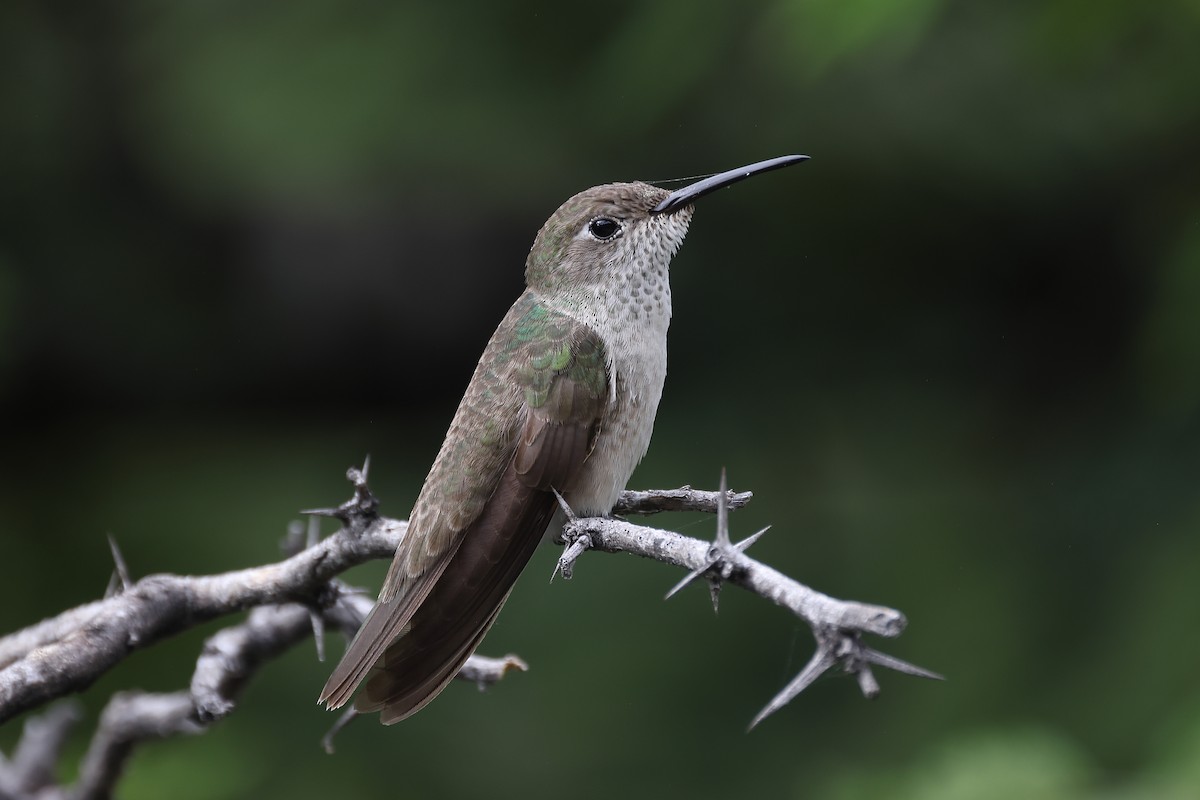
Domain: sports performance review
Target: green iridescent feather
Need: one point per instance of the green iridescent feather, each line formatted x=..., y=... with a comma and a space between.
x=535, y=354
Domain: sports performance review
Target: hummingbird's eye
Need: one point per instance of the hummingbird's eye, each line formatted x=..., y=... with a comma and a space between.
x=604, y=228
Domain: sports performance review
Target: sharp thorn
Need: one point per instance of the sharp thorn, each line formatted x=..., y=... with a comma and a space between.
x=899, y=665
x=714, y=591
x=723, y=513
x=744, y=544
x=366, y=467
x=866, y=682
x=820, y=662
x=314, y=532
x=292, y=541
x=321, y=512
x=344, y=720
x=119, y=561
x=318, y=628
x=566, y=562
x=562, y=503
x=691, y=576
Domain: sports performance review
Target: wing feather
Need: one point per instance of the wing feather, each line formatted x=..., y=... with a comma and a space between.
x=482, y=510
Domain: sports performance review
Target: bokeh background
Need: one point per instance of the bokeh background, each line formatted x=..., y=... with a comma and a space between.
x=956, y=356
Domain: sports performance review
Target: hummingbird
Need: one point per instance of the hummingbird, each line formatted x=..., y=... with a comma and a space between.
x=563, y=400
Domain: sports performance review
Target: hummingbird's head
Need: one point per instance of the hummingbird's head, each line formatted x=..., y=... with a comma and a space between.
x=602, y=236
x=621, y=234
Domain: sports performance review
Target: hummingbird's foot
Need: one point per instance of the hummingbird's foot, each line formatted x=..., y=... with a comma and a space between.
x=719, y=566
x=844, y=649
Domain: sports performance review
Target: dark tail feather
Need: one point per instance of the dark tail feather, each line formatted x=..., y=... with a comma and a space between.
x=358, y=658
x=383, y=625
x=398, y=696
x=460, y=609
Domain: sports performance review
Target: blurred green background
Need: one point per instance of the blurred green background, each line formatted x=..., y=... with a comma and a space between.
x=956, y=357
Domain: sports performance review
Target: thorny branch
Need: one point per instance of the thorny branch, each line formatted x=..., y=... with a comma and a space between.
x=837, y=624
x=300, y=595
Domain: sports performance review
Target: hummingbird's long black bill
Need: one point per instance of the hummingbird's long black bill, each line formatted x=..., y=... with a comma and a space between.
x=685, y=196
